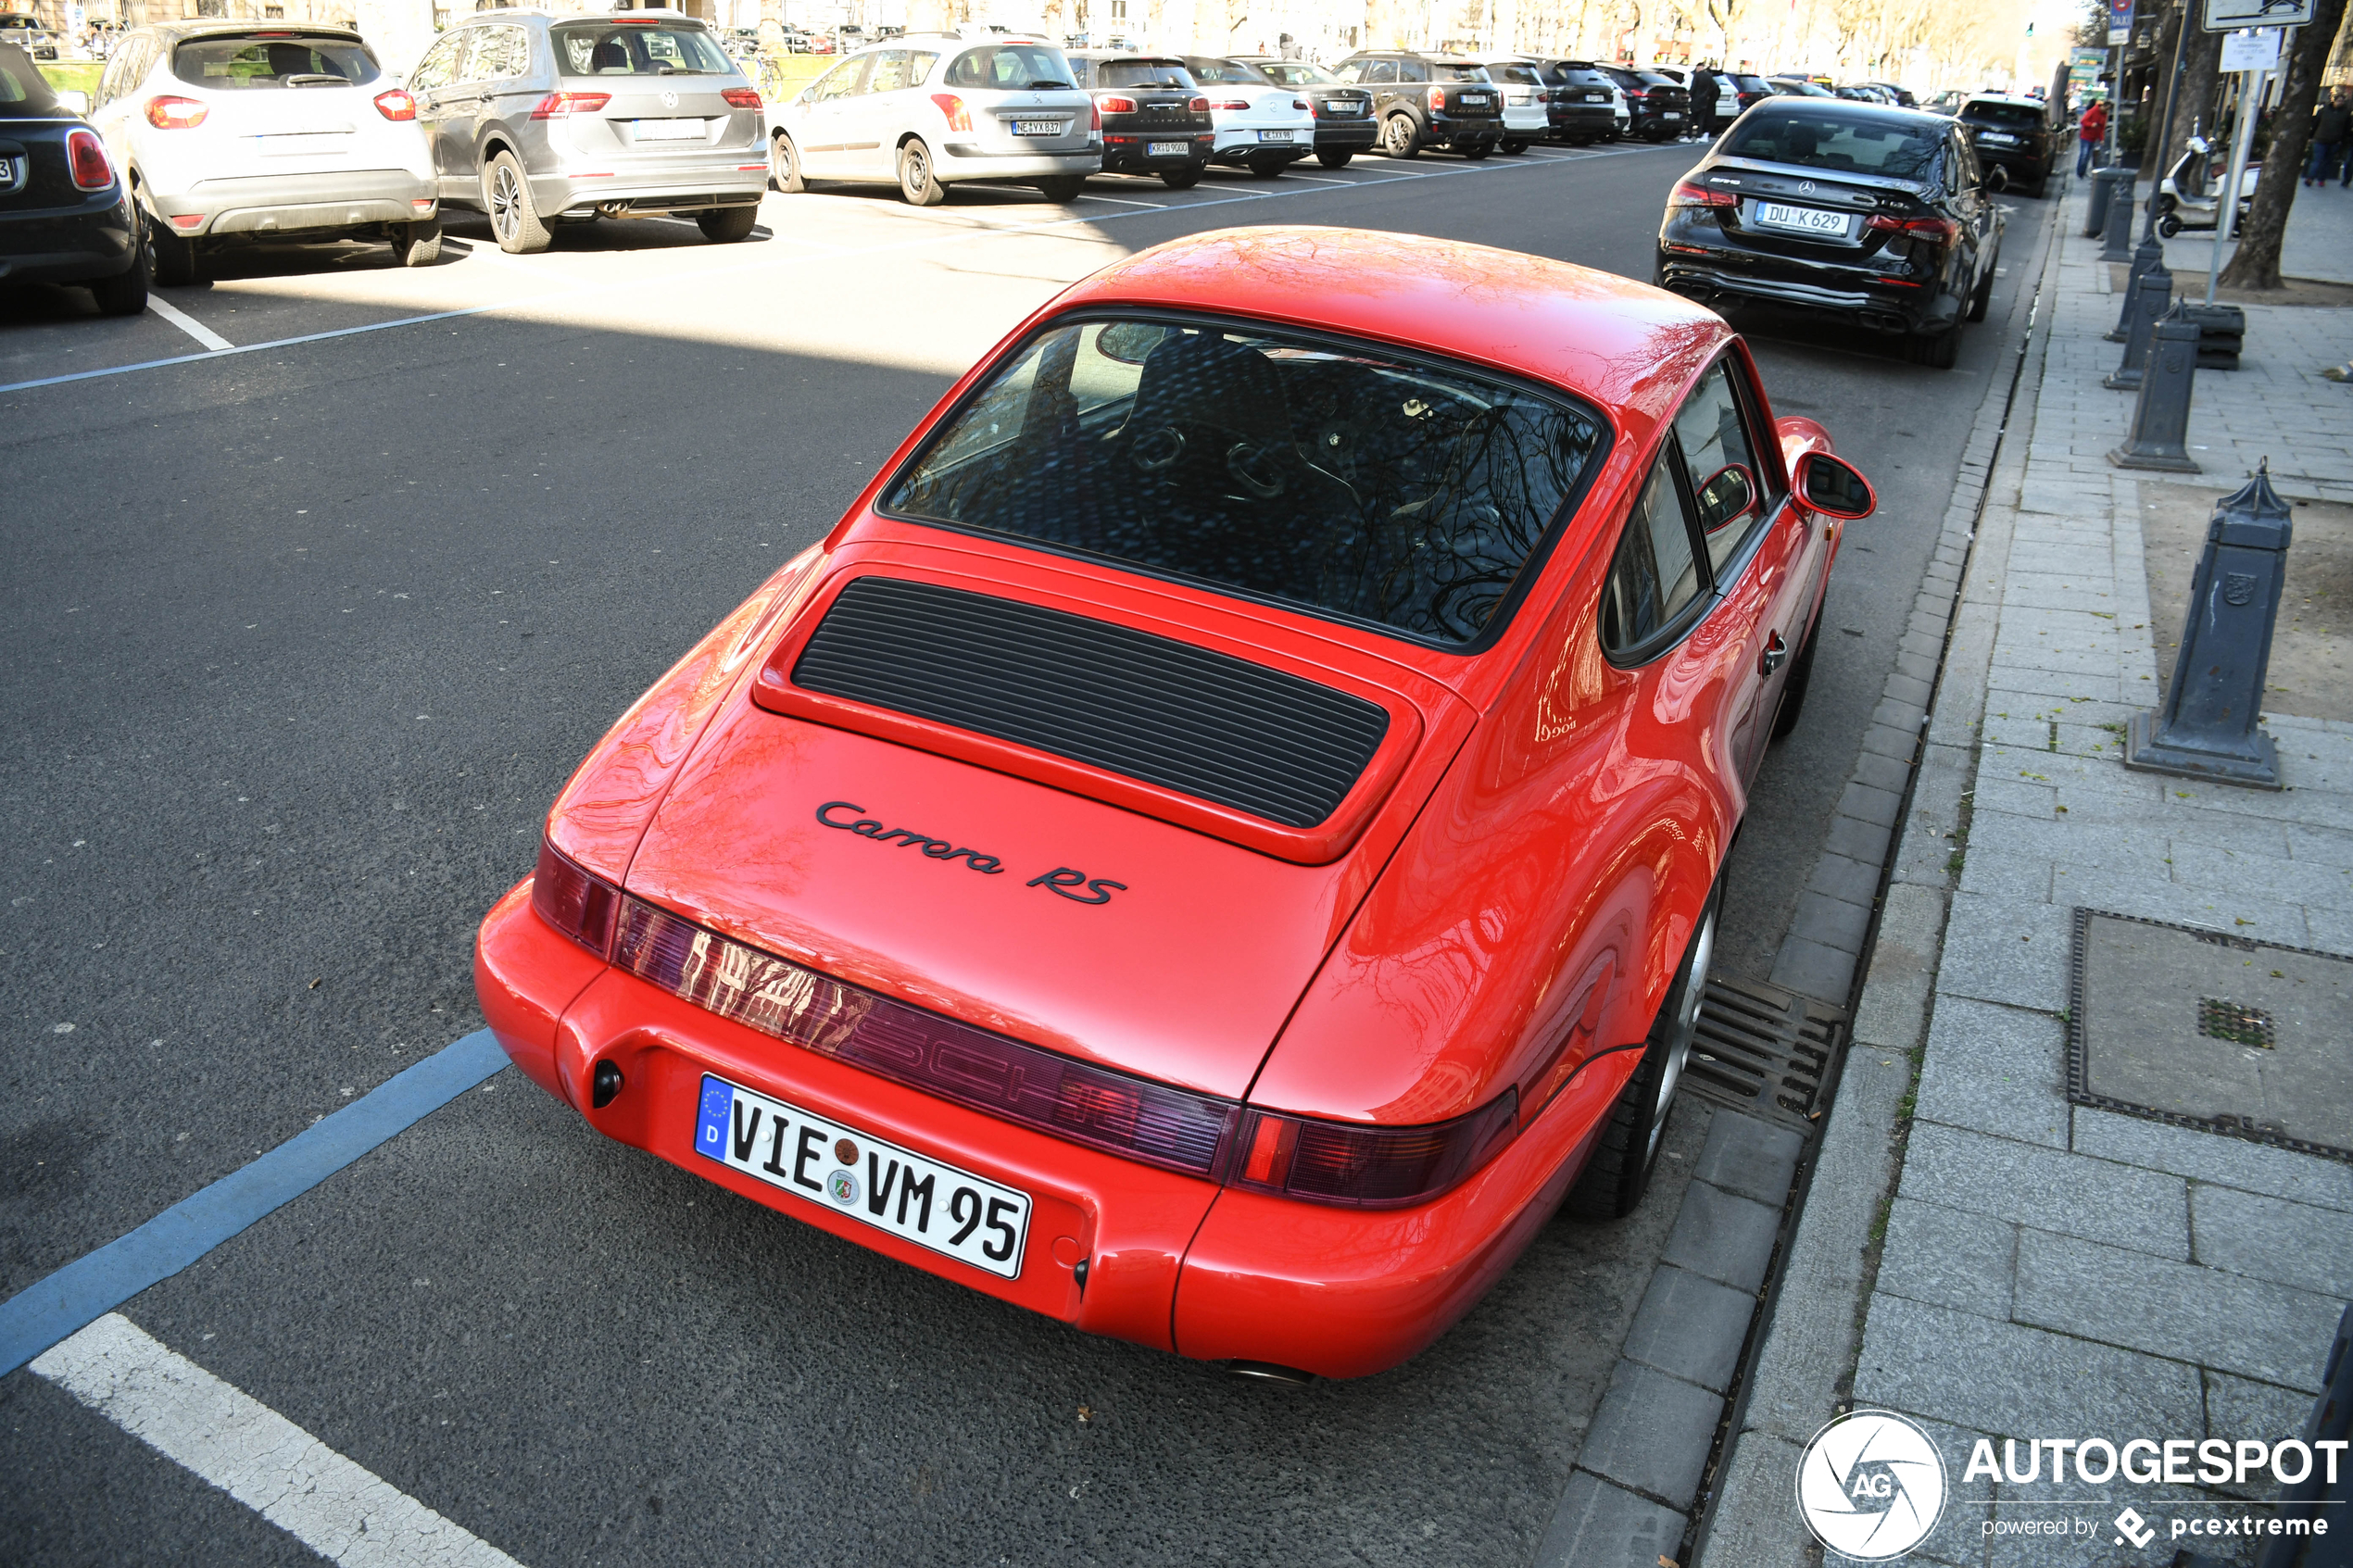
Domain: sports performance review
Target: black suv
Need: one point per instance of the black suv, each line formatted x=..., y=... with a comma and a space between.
x=1583, y=102
x=1661, y=106
x=1155, y=119
x=1344, y=122
x=1428, y=101
x=2010, y=134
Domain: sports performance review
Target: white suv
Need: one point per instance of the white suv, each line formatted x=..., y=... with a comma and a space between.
x=927, y=111
x=241, y=131
x=1528, y=119
x=1264, y=127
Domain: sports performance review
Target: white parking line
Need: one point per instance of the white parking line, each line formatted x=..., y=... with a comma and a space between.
x=1117, y=201
x=338, y=1509
x=188, y=325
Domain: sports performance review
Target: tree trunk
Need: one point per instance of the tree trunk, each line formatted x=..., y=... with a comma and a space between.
x=2169, y=27
x=2257, y=265
x=771, y=25
x=2201, y=64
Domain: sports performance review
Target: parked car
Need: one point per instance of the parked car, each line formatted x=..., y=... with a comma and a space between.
x=929, y=111
x=1877, y=214
x=1428, y=101
x=1752, y=88
x=1155, y=118
x=1660, y=104
x=1728, y=96
x=1260, y=126
x=1896, y=93
x=1344, y=122
x=1799, y=87
x=1528, y=99
x=1947, y=102
x=539, y=120
x=238, y=132
x=2012, y=133
x=1583, y=104
x=65, y=212
x=24, y=31
x=1388, y=627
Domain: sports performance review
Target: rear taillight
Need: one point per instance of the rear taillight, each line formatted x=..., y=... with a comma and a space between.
x=175, y=114
x=1199, y=106
x=954, y=108
x=1230, y=104
x=1368, y=1167
x=1117, y=106
x=1438, y=97
x=395, y=104
x=1094, y=117
x=563, y=106
x=741, y=97
x=1638, y=93
x=1689, y=194
x=87, y=156
x=1302, y=104
x=1942, y=230
x=575, y=902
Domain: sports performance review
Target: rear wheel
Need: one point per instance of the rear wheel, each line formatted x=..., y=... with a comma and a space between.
x=1627, y=1149
x=1938, y=351
x=171, y=261
x=416, y=245
x=514, y=216
x=1512, y=146
x=1478, y=150
x=125, y=294
x=917, y=180
x=725, y=225
x=1334, y=161
x=1062, y=188
x=2168, y=226
x=1400, y=137
x=1268, y=168
x=1183, y=179
x=783, y=165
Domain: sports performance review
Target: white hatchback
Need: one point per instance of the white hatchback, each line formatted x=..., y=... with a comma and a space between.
x=240, y=131
x=1262, y=126
x=930, y=110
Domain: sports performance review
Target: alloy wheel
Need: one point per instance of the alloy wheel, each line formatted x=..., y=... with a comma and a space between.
x=506, y=195
x=1686, y=1025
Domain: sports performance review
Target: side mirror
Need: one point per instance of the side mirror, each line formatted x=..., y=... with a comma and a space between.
x=1728, y=493
x=74, y=100
x=1835, y=487
x=1997, y=179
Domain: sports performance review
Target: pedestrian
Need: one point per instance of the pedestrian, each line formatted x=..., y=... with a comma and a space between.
x=2331, y=123
x=2090, y=132
x=1704, y=102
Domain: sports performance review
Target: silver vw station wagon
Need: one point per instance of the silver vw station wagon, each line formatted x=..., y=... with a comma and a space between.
x=536, y=120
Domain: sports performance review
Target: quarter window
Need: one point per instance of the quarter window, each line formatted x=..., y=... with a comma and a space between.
x=499, y=52
x=1721, y=463
x=889, y=73
x=841, y=81
x=1380, y=72
x=1656, y=575
x=439, y=67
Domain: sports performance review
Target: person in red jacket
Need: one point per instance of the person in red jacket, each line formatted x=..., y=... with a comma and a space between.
x=2089, y=133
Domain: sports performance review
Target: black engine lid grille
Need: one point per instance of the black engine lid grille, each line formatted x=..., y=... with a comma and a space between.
x=1221, y=729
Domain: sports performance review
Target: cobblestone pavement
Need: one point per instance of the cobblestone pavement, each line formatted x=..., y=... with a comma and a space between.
x=1975, y=1251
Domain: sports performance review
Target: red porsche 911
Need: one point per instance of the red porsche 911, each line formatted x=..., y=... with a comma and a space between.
x=1223, y=838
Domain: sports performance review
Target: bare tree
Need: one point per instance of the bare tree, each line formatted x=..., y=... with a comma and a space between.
x=2257, y=265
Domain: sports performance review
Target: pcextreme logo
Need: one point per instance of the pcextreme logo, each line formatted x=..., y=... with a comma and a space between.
x=1870, y=1486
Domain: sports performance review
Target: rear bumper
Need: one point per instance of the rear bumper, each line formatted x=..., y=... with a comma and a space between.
x=1350, y=135
x=2015, y=162
x=1241, y=144
x=1848, y=293
x=740, y=180
x=1125, y=154
x=289, y=204
x=67, y=244
x=1454, y=130
x=962, y=161
x=1582, y=120
x=1339, y=1292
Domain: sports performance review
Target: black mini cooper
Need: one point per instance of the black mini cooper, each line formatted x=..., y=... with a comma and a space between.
x=64, y=210
x=1155, y=118
x=1428, y=101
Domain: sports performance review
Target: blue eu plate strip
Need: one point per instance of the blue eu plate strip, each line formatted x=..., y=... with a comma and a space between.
x=57, y=1308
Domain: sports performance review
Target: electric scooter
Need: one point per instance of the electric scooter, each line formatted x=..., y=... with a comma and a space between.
x=2190, y=195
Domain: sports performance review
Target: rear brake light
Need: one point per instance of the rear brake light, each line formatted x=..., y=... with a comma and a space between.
x=1230, y=104
x=563, y=106
x=87, y=155
x=395, y=104
x=1302, y=104
x=1689, y=194
x=959, y=119
x=1368, y=1167
x=1943, y=231
x=1117, y=106
x=1199, y=106
x=574, y=901
x=1094, y=117
x=175, y=114
x=1438, y=97
x=741, y=97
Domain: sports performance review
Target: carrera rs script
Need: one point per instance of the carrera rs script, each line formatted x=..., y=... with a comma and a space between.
x=1074, y=885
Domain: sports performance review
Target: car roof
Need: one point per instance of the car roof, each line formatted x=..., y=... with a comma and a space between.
x=1623, y=346
x=2017, y=99
x=1871, y=110
x=204, y=27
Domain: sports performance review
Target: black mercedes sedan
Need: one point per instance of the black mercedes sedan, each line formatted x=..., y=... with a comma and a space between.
x=1875, y=214
x=66, y=215
x=1344, y=122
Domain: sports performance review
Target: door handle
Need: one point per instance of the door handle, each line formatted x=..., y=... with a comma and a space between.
x=1776, y=654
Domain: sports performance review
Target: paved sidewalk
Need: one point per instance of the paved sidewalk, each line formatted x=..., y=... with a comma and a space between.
x=1974, y=1250
x=2317, y=244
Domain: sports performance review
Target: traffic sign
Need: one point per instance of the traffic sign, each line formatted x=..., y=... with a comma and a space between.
x=2256, y=49
x=2120, y=22
x=2229, y=15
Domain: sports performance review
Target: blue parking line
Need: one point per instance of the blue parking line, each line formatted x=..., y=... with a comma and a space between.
x=63, y=1304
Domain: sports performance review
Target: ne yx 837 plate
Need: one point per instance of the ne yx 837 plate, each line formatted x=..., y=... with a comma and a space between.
x=967, y=1217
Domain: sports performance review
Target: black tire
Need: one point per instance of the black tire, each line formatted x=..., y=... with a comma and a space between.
x=125, y=294
x=171, y=261
x=514, y=215
x=1654, y=134
x=1580, y=141
x=1627, y=1151
x=1801, y=675
x=416, y=245
x=917, y=180
x=1512, y=146
x=1063, y=189
x=2168, y=226
x=1478, y=150
x=1400, y=137
x=1268, y=168
x=1183, y=179
x=725, y=225
x=784, y=166
x=1335, y=160
x=1938, y=351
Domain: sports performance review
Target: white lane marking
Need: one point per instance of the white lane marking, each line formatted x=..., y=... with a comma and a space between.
x=1117, y=201
x=1318, y=178
x=188, y=325
x=343, y=1513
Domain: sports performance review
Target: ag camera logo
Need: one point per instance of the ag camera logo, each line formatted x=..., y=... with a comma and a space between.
x=1870, y=1486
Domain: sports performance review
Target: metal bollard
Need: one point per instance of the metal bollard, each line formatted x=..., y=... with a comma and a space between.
x=2311, y=1499
x=2147, y=256
x=2119, y=242
x=2147, y=303
x=2162, y=415
x=2208, y=728
x=2104, y=182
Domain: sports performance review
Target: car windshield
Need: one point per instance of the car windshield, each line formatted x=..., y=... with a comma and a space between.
x=1014, y=66
x=638, y=49
x=1332, y=476
x=1897, y=149
x=1297, y=73
x=1519, y=75
x=1231, y=72
x=271, y=62
x=2010, y=116
x=1443, y=73
x=1141, y=73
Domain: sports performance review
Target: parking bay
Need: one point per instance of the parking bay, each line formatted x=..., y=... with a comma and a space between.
x=304, y=638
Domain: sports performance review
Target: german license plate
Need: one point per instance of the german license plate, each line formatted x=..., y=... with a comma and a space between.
x=1802, y=219
x=1998, y=136
x=950, y=1212
x=1671, y=114
x=1475, y=100
x=1166, y=149
x=1041, y=127
x=1275, y=135
x=669, y=130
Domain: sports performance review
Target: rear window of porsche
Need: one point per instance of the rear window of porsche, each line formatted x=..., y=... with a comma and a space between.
x=1331, y=476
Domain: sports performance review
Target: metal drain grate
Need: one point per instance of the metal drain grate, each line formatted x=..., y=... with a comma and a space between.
x=2219, y=1020
x=1763, y=1050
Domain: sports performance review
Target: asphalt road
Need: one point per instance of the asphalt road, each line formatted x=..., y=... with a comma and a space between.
x=300, y=642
